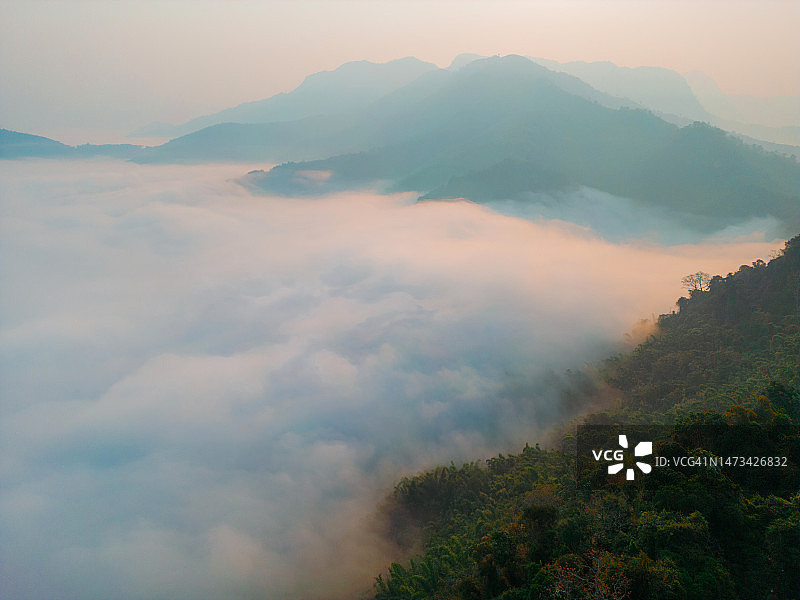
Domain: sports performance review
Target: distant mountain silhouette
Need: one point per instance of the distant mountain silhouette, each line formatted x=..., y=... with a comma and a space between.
x=14, y=144
x=501, y=127
x=775, y=119
x=781, y=111
x=661, y=90
x=410, y=111
x=352, y=85
x=694, y=97
x=487, y=129
x=270, y=142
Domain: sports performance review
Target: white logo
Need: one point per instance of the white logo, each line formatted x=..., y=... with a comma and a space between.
x=641, y=449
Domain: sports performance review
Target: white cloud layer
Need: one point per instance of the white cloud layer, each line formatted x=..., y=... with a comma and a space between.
x=205, y=393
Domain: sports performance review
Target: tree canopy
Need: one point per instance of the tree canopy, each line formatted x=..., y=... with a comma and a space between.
x=722, y=375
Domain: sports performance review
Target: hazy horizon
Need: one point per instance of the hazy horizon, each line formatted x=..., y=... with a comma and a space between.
x=86, y=71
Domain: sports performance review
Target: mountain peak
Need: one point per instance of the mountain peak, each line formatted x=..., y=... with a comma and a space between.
x=350, y=86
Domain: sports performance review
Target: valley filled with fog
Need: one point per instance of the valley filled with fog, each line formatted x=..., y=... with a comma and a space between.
x=207, y=392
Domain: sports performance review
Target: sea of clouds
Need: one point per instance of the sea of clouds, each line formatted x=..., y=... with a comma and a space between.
x=206, y=393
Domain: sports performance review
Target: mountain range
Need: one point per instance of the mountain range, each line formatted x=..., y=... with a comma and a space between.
x=694, y=96
x=487, y=129
x=14, y=144
x=350, y=87
x=507, y=127
x=678, y=98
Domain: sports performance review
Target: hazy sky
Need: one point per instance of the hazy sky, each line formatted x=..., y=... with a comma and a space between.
x=93, y=64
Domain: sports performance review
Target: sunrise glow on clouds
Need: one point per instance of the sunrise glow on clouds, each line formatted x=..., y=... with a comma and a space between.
x=207, y=391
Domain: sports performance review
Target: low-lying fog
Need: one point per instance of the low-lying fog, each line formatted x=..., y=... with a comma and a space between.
x=621, y=219
x=205, y=393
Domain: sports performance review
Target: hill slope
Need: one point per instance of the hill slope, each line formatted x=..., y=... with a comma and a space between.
x=14, y=144
x=529, y=526
x=349, y=87
x=660, y=90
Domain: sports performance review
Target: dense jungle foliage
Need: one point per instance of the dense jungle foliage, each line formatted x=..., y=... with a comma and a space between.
x=721, y=377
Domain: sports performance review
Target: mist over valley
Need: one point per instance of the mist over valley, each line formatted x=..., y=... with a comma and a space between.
x=237, y=361
x=207, y=391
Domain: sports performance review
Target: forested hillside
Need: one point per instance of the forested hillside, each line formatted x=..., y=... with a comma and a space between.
x=721, y=375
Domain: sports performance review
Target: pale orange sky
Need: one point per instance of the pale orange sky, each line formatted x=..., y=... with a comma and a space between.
x=95, y=64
